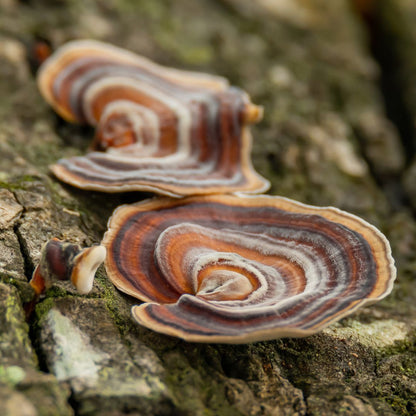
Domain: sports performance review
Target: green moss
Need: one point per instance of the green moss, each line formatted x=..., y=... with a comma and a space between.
x=116, y=305
x=11, y=375
x=43, y=307
x=398, y=347
x=399, y=405
x=14, y=183
x=197, y=389
x=58, y=291
x=14, y=331
x=26, y=292
x=400, y=400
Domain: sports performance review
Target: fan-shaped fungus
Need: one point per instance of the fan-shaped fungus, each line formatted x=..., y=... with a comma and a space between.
x=65, y=261
x=164, y=130
x=242, y=269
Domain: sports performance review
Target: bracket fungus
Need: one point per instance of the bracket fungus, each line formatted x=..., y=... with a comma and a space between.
x=158, y=129
x=61, y=260
x=209, y=268
x=237, y=269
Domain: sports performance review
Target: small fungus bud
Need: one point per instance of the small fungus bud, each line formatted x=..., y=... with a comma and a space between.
x=65, y=261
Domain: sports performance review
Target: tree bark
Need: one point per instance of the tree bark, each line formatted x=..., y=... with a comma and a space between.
x=325, y=140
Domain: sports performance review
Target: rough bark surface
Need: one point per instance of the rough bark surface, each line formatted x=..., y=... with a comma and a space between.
x=325, y=140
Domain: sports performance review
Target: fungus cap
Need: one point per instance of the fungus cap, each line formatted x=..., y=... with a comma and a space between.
x=237, y=269
x=164, y=130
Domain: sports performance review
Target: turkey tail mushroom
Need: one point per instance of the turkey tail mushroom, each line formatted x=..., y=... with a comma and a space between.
x=241, y=269
x=158, y=129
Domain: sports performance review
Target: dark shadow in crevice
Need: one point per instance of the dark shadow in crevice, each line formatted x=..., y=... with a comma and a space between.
x=392, y=90
x=74, y=403
x=390, y=183
x=384, y=46
x=33, y=336
x=384, y=49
